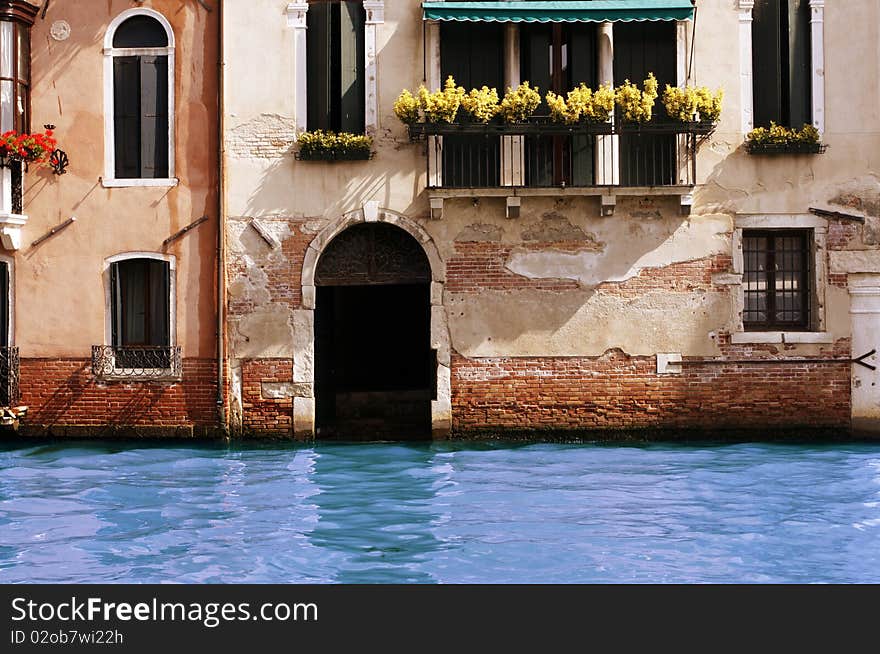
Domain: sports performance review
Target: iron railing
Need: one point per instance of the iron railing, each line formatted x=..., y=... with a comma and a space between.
x=136, y=362
x=17, y=187
x=10, y=392
x=548, y=155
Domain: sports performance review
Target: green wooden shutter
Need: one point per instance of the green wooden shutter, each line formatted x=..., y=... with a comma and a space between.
x=767, y=62
x=154, y=116
x=352, y=73
x=799, y=68
x=318, y=63
x=159, y=293
x=115, y=306
x=127, y=116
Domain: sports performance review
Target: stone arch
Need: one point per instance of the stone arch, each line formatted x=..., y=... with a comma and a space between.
x=304, y=321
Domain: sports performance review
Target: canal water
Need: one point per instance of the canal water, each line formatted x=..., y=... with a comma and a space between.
x=445, y=513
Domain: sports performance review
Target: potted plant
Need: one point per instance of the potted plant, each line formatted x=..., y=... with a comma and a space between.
x=582, y=105
x=519, y=104
x=480, y=105
x=698, y=106
x=637, y=106
x=26, y=148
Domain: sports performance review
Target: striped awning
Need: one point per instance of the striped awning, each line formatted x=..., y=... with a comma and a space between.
x=593, y=11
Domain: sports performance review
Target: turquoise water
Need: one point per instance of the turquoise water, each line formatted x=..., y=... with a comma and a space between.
x=443, y=513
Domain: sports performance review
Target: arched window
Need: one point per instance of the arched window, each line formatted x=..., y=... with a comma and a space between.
x=140, y=302
x=139, y=100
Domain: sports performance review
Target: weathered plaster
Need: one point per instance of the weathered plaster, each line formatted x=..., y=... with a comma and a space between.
x=501, y=324
x=625, y=255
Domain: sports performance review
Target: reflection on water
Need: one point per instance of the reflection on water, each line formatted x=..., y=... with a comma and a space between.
x=439, y=513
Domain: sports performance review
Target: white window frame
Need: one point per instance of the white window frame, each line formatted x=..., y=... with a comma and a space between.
x=817, y=64
x=109, y=180
x=800, y=222
x=171, y=260
x=296, y=20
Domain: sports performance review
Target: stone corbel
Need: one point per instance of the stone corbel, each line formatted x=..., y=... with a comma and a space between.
x=375, y=10
x=10, y=230
x=296, y=14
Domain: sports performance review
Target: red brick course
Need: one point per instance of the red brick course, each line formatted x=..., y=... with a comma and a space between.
x=620, y=392
x=261, y=415
x=63, y=393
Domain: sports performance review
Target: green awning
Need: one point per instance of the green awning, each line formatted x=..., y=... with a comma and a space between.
x=594, y=11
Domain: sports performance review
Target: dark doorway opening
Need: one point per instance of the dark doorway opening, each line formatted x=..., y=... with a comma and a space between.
x=374, y=367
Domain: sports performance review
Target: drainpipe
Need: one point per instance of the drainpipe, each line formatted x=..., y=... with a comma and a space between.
x=221, y=227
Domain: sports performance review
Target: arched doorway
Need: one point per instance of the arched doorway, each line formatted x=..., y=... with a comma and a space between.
x=374, y=366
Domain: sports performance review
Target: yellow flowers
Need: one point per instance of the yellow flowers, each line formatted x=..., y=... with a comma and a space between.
x=518, y=105
x=635, y=105
x=331, y=145
x=481, y=104
x=691, y=104
x=406, y=107
x=441, y=106
x=779, y=135
x=582, y=105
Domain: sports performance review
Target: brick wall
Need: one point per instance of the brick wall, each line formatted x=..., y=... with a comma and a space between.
x=63, y=397
x=615, y=391
x=266, y=416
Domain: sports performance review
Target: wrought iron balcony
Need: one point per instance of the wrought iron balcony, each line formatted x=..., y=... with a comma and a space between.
x=112, y=362
x=10, y=394
x=549, y=155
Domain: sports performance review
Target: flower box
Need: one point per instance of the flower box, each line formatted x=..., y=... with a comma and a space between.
x=785, y=148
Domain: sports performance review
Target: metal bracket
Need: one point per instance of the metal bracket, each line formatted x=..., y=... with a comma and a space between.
x=861, y=360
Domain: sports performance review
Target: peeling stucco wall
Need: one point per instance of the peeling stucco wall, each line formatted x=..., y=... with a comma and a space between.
x=644, y=280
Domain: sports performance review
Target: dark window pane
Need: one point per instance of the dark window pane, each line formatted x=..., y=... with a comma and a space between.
x=127, y=116
x=335, y=63
x=140, y=32
x=639, y=49
x=141, y=303
x=154, y=116
x=781, y=65
x=776, y=279
x=141, y=119
x=4, y=304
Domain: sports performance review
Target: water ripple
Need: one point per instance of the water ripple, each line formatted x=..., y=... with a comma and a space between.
x=440, y=513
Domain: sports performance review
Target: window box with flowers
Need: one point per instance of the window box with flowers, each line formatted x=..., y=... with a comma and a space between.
x=784, y=140
x=663, y=142
x=320, y=145
x=17, y=152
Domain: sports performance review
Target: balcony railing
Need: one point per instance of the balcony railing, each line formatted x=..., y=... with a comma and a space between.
x=136, y=362
x=550, y=155
x=10, y=394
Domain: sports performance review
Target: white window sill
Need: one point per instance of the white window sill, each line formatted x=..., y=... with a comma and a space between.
x=167, y=182
x=10, y=230
x=738, y=338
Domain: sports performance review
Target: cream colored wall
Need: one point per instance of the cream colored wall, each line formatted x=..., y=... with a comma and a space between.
x=266, y=183
x=60, y=297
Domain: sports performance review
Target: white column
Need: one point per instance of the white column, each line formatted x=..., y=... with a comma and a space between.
x=865, y=309
x=512, y=147
x=433, y=82
x=607, y=147
x=7, y=99
x=817, y=45
x=682, y=140
x=296, y=19
x=375, y=10
x=745, y=64
x=681, y=52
